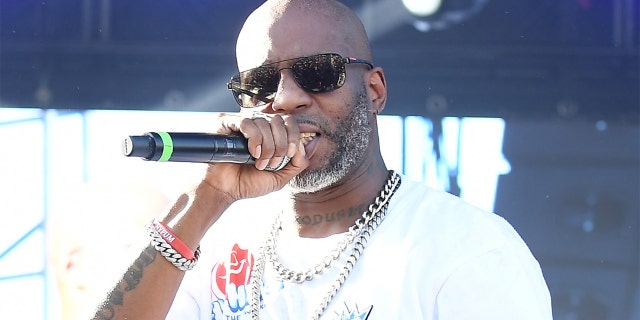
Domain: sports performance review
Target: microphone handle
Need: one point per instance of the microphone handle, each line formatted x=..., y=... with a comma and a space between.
x=188, y=147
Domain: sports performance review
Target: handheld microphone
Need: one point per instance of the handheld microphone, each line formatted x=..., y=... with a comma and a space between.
x=188, y=147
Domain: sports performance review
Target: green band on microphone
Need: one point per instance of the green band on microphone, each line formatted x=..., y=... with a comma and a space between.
x=167, y=149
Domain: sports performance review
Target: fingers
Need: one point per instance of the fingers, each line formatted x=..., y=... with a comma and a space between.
x=299, y=161
x=285, y=160
x=296, y=164
x=272, y=139
x=293, y=136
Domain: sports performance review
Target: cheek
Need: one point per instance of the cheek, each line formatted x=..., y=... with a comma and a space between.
x=336, y=105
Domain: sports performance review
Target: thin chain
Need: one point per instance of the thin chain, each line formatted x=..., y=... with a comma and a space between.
x=357, y=250
x=299, y=277
x=256, y=282
x=363, y=228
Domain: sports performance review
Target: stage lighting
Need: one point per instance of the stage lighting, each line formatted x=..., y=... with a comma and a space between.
x=422, y=8
x=433, y=15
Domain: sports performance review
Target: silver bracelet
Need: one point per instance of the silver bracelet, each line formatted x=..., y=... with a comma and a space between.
x=169, y=253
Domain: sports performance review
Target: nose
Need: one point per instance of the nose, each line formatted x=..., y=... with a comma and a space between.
x=290, y=97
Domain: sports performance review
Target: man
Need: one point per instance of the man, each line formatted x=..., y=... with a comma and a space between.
x=347, y=239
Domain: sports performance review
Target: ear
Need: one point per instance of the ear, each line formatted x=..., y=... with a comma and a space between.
x=377, y=87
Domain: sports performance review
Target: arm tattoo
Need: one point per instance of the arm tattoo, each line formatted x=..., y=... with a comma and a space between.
x=130, y=280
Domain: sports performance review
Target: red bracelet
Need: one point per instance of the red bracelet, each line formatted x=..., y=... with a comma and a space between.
x=173, y=240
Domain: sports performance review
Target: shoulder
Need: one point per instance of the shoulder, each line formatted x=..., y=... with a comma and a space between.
x=460, y=260
x=427, y=206
x=437, y=220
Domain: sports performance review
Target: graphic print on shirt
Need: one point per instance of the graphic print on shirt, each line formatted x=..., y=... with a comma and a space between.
x=231, y=290
x=230, y=285
x=355, y=314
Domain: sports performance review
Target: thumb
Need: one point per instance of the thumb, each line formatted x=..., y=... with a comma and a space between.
x=298, y=162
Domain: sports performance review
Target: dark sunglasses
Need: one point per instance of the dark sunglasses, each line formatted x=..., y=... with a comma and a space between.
x=316, y=74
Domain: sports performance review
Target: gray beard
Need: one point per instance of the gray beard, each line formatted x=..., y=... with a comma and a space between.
x=351, y=136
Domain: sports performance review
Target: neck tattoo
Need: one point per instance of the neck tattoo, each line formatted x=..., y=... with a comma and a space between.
x=358, y=234
x=316, y=219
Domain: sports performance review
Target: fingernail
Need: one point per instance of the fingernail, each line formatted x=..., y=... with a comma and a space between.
x=258, y=151
x=292, y=150
x=301, y=149
x=261, y=164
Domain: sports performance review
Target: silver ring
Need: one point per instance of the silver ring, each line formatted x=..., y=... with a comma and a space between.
x=283, y=163
x=259, y=115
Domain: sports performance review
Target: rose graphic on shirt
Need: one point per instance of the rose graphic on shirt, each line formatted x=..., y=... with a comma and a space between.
x=231, y=279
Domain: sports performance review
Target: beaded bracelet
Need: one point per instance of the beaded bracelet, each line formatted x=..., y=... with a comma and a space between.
x=171, y=247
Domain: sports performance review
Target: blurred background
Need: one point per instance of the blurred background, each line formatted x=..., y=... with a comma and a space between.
x=527, y=108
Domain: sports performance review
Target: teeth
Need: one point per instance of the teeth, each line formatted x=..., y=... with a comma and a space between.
x=307, y=136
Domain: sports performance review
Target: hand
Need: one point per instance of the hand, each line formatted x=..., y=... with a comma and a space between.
x=270, y=139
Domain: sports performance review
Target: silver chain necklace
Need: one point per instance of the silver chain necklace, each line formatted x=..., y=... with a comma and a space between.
x=362, y=229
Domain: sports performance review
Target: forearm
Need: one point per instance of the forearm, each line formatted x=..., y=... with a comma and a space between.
x=147, y=289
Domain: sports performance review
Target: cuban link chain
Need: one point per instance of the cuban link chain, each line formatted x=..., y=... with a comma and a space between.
x=362, y=229
x=299, y=277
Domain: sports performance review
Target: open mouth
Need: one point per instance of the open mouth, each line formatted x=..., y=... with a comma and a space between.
x=310, y=142
x=306, y=137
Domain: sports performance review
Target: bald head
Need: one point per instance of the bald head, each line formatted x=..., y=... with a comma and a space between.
x=282, y=29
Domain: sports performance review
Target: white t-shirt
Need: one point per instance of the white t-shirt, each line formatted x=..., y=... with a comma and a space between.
x=433, y=257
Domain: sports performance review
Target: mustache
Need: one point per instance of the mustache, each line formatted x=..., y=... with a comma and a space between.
x=321, y=124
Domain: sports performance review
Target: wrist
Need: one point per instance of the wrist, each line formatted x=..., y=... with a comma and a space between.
x=171, y=247
x=167, y=236
x=196, y=211
x=210, y=192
